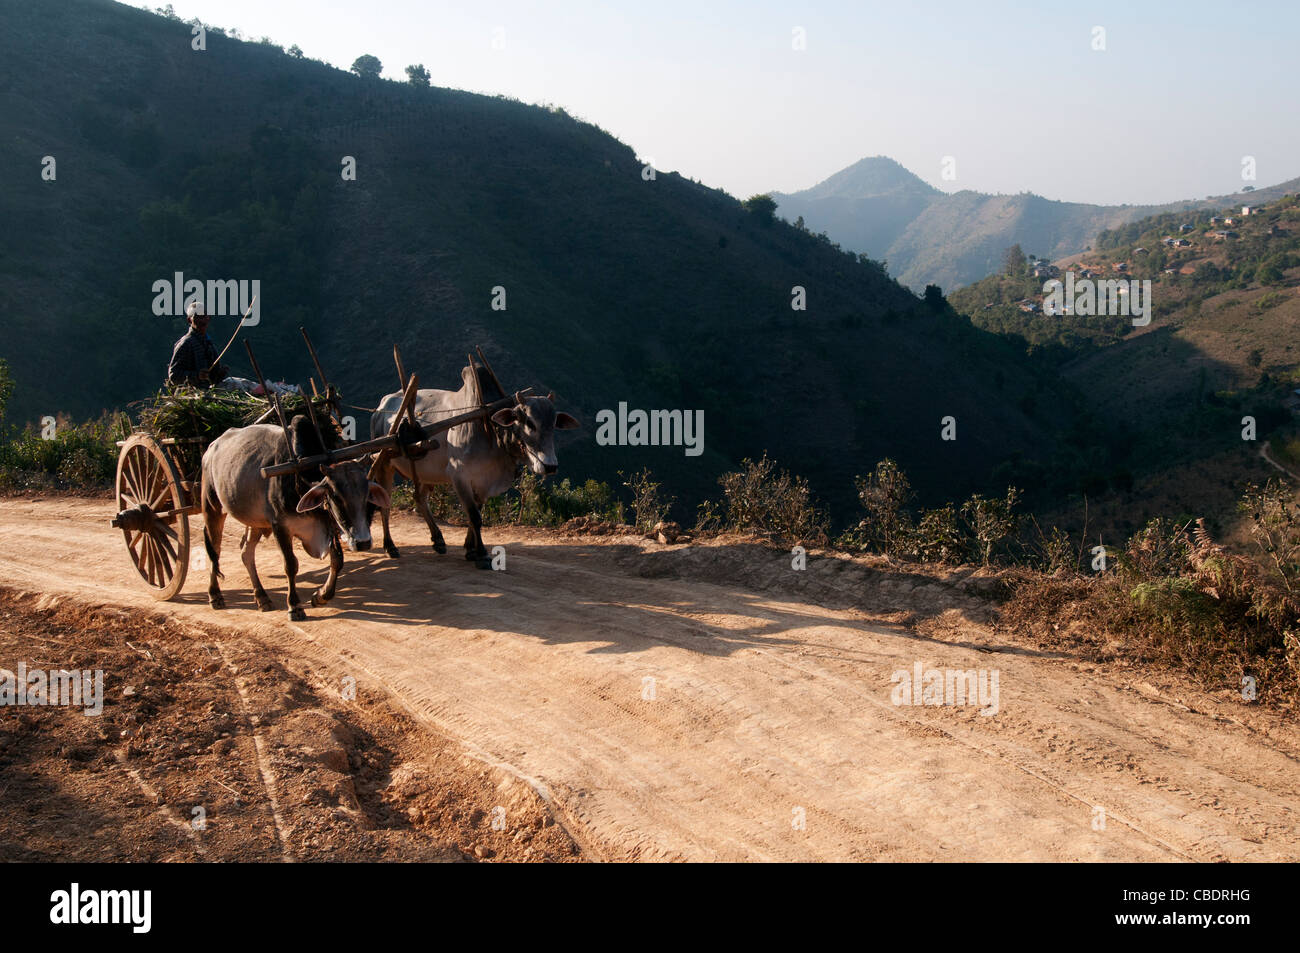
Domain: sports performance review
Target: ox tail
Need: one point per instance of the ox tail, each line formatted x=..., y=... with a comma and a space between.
x=212, y=554
x=208, y=499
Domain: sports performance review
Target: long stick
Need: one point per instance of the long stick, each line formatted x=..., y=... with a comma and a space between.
x=311, y=349
x=488, y=367
x=401, y=371
x=271, y=395
x=235, y=335
x=311, y=413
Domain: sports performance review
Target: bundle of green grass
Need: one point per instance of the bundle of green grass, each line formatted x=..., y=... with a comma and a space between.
x=185, y=412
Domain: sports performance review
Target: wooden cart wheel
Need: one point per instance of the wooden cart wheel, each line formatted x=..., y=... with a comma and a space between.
x=158, y=545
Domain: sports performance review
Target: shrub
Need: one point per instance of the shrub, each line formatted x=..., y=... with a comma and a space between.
x=6, y=386
x=769, y=502
x=1175, y=605
x=648, y=506
x=937, y=537
x=884, y=494
x=990, y=521
x=1275, y=530
x=530, y=502
x=79, y=456
x=1052, y=551
x=1161, y=548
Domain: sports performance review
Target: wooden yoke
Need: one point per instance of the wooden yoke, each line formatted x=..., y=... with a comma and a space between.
x=407, y=408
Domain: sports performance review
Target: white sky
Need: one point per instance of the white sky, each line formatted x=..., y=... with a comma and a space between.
x=1013, y=91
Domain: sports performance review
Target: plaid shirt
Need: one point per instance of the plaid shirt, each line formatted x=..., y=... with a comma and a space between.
x=193, y=353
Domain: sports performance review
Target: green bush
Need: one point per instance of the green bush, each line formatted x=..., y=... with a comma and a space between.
x=937, y=537
x=530, y=502
x=78, y=456
x=6, y=386
x=990, y=521
x=769, y=502
x=884, y=494
x=648, y=505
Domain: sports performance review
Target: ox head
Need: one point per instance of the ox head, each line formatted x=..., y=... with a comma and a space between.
x=344, y=493
x=532, y=421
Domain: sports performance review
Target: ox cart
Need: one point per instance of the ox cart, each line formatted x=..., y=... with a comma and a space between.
x=159, y=476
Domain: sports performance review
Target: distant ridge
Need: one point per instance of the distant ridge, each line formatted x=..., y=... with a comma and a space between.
x=881, y=209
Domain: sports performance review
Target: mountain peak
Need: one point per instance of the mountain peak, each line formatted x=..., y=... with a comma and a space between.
x=869, y=178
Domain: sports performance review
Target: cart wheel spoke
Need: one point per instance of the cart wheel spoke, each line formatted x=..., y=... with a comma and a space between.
x=161, y=494
x=165, y=547
x=159, y=561
x=141, y=478
x=166, y=556
x=149, y=476
x=159, y=578
x=146, y=549
x=137, y=475
x=129, y=489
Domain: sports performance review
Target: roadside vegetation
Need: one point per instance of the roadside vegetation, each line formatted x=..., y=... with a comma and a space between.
x=1170, y=593
x=75, y=457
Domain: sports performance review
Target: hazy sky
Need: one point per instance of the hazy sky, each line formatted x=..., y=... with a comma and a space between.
x=1014, y=92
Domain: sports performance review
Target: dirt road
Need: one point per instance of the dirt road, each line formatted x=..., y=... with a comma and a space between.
x=710, y=703
x=1268, y=458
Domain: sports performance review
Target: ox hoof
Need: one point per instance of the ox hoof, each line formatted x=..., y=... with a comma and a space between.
x=392, y=551
x=318, y=600
x=217, y=601
x=297, y=614
x=483, y=563
x=439, y=546
x=264, y=603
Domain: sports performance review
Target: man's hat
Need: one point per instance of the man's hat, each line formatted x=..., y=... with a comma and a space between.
x=195, y=307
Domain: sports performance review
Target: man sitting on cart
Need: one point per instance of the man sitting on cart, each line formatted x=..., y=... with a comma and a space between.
x=194, y=358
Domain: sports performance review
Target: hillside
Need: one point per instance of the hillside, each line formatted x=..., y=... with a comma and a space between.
x=1221, y=344
x=662, y=293
x=878, y=208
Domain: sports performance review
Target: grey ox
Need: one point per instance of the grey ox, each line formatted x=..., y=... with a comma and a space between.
x=289, y=507
x=479, y=459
